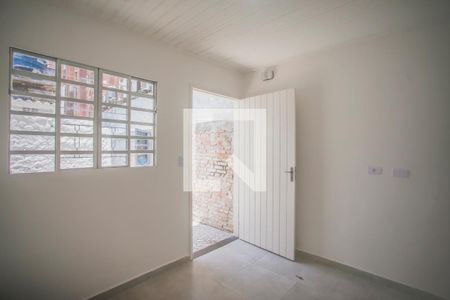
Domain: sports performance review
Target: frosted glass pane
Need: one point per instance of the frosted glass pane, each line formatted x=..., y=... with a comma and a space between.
x=113, y=81
x=141, y=116
x=34, y=64
x=114, y=144
x=114, y=97
x=76, y=161
x=110, y=128
x=35, y=86
x=32, y=104
x=77, y=126
x=114, y=159
x=76, y=143
x=114, y=113
x=74, y=73
x=142, y=86
x=141, y=130
x=76, y=91
x=141, y=159
x=32, y=123
x=76, y=109
x=25, y=142
x=32, y=163
x=142, y=102
x=141, y=144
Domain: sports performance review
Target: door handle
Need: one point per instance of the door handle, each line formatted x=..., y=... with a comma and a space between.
x=291, y=172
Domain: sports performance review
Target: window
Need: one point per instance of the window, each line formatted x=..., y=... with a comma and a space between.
x=65, y=115
x=127, y=120
x=77, y=123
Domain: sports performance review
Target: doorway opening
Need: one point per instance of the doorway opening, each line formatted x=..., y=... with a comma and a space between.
x=212, y=174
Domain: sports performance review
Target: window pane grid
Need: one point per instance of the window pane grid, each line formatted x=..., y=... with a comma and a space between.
x=24, y=61
x=77, y=118
x=25, y=152
x=114, y=152
x=76, y=73
x=30, y=113
x=129, y=119
x=77, y=102
x=120, y=106
x=26, y=142
x=77, y=91
x=77, y=160
x=32, y=123
x=32, y=132
x=32, y=120
x=33, y=86
x=77, y=134
x=65, y=115
x=114, y=142
x=80, y=83
x=36, y=76
x=23, y=96
x=58, y=118
x=143, y=109
x=114, y=97
x=136, y=115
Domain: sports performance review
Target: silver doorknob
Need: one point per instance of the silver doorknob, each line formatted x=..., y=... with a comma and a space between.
x=291, y=172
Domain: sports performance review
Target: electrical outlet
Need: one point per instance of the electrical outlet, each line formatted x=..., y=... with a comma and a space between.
x=374, y=170
x=400, y=172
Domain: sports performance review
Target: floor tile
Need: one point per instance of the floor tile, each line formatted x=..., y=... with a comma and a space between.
x=240, y=270
x=257, y=283
x=205, y=235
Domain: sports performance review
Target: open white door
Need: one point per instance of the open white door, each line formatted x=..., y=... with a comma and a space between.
x=267, y=218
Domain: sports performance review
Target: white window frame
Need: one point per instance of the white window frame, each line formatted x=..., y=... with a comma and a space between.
x=97, y=118
x=94, y=119
x=128, y=122
x=28, y=94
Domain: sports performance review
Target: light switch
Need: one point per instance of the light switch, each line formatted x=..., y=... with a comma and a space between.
x=400, y=172
x=375, y=170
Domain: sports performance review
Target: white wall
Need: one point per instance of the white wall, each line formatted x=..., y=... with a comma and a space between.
x=386, y=102
x=72, y=234
x=383, y=102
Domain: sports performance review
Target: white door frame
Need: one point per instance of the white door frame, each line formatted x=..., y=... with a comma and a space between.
x=193, y=87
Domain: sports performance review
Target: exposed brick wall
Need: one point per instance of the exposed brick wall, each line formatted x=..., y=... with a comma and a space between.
x=214, y=207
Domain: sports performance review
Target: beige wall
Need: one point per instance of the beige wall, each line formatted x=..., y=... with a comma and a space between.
x=72, y=234
x=382, y=102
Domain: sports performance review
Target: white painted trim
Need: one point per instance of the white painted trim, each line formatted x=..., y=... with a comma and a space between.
x=191, y=239
x=193, y=88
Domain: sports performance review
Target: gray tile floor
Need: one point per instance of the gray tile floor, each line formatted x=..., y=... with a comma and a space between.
x=205, y=235
x=242, y=271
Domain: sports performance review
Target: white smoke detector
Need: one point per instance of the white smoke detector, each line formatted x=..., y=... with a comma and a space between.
x=268, y=74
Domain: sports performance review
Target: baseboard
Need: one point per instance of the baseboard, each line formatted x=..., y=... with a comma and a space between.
x=214, y=247
x=138, y=279
x=372, y=276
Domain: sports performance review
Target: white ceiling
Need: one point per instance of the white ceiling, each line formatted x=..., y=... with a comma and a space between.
x=251, y=34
